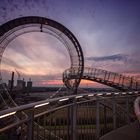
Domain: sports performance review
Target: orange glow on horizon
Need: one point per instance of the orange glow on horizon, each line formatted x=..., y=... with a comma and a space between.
x=53, y=82
x=84, y=83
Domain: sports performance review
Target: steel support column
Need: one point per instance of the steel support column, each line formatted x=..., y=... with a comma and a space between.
x=127, y=109
x=30, y=125
x=105, y=119
x=97, y=119
x=114, y=112
x=73, y=110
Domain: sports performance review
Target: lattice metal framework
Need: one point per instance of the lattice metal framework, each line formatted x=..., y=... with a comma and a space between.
x=115, y=80
x=19, y=26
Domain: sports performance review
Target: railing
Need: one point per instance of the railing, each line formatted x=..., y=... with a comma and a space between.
x=83, y=117
x=5, y=99
x=108, y=78
x=137, y=108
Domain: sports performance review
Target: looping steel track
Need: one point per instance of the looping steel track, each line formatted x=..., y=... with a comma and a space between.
x=73, y=75
x=19, y=26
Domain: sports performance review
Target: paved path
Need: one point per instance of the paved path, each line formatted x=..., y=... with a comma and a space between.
x=128, y=132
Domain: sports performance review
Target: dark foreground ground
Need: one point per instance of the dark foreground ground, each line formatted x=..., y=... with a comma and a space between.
x=128, y=132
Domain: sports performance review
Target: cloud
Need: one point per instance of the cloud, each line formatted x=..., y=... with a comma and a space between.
x=106, y=31
x=15, y=8
x=121, y=63
x=116, y=57
x=11, y=63
x=35, y=50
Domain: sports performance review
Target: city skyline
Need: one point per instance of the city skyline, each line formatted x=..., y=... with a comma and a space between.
x=108, y=32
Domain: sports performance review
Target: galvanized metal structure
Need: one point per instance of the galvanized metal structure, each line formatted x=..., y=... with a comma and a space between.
x=82, y=117
x=97, y=114
x=112, y=79
x=137, y=108
x=14, y=28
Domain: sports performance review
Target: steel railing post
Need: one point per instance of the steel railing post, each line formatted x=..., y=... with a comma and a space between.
x=114, y=112
x=97, y=119
x=105, y=119
x=30, y=125
x=73, y=120
x=127, y=109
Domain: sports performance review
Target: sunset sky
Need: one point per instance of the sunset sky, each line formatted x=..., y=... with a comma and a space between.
x=108, y=31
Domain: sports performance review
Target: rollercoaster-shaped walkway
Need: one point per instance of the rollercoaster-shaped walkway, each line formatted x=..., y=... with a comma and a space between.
x=75, y=73
x=71, y=77
x=112, y=79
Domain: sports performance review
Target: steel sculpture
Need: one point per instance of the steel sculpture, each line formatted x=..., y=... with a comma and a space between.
x=19, y=26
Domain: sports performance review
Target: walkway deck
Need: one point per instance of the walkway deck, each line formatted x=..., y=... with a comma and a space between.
x=128, y=132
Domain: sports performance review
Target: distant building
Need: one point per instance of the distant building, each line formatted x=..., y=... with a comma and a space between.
x=21, y=84
x=29, y=85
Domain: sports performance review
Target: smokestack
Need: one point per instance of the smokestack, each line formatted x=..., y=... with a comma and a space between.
x=12, y=83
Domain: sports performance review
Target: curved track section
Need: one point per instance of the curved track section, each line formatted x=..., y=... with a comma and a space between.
x=19, y=26
x=5, y=99
x=115, y=80
x=14, y=28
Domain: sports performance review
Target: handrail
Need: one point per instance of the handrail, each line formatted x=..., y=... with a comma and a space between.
x=137, y=108
x=115, y=80
x=32, y=105
x=60, y=101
